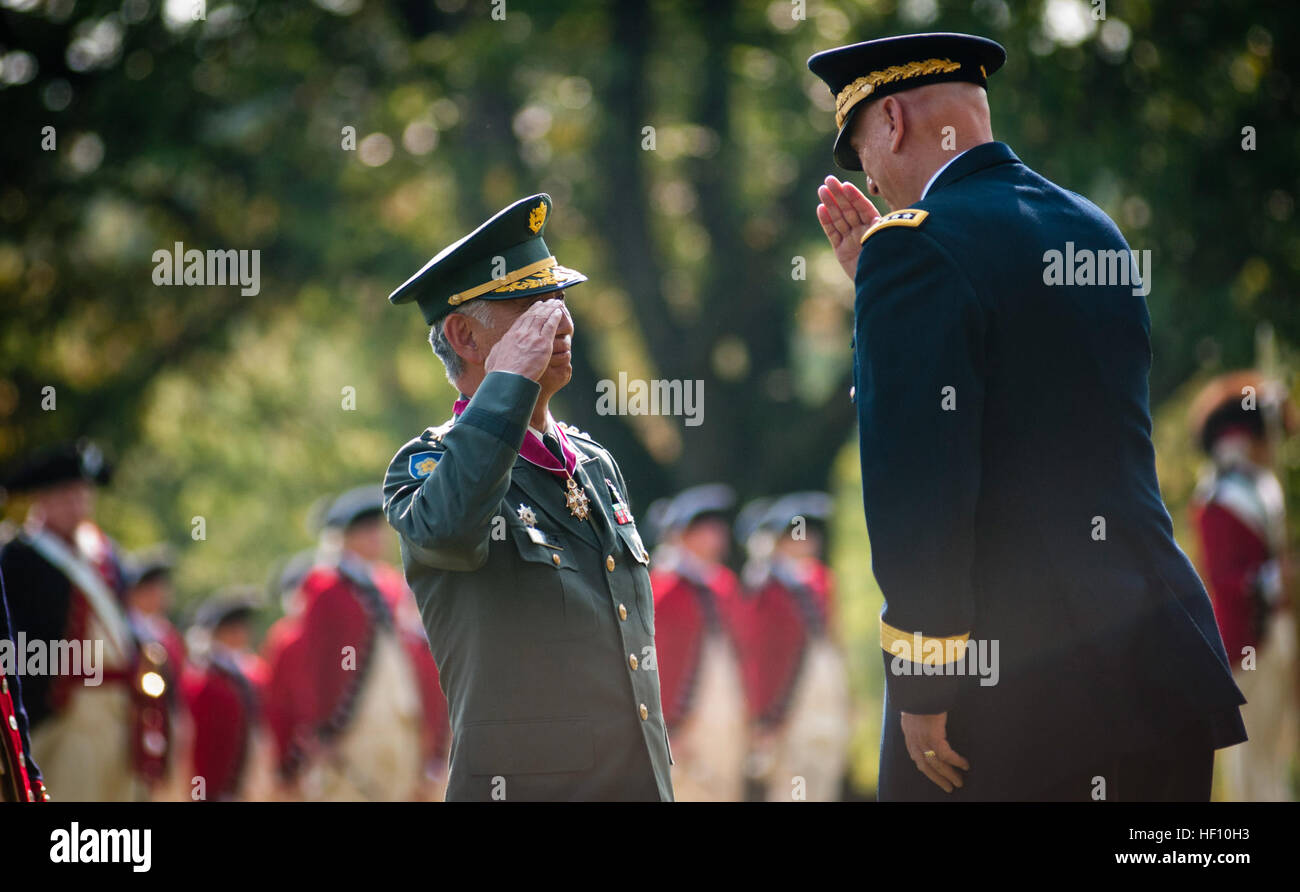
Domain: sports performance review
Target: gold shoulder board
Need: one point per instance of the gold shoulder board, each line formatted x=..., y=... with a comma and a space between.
x=912, y=217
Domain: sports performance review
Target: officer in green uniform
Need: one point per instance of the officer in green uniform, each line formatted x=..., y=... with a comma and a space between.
x=519, y=543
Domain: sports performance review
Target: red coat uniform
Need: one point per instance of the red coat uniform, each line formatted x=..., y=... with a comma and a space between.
x=437, y=725
x=223, y=695
x=162, y=650
x=70, y=591
x=309, y=692
x=1238, y=516
x=778, y=620
x=20, y=779
x=688, y=604
x=282, y=694
x=16, y=784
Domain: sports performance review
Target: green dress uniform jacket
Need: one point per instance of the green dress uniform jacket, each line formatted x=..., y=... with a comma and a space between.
x=542, y=625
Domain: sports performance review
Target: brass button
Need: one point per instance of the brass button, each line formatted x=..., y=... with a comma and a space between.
x=555, y=559
x=622, y=612
x=13, y=722
x=645, y=713
x=609, y=563
x=631, y=660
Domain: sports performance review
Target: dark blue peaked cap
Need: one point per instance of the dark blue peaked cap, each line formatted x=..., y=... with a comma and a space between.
x=862, y=72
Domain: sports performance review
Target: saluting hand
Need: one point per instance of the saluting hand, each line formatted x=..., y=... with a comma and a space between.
x=845, y=214
x=527, y=346
x=928, y=734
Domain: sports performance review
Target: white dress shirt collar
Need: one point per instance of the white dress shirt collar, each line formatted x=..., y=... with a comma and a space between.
x=926, y=190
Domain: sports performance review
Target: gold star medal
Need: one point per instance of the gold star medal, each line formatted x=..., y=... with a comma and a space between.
x=575, y=499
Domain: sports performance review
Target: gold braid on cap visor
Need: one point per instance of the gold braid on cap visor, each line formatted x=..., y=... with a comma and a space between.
x=864, y=86
x=543, y=272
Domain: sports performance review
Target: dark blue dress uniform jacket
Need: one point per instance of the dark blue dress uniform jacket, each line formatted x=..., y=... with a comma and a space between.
x=1010, y=491
x=544, y=640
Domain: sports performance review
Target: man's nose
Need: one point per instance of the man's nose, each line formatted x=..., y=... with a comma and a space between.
x=566, y=322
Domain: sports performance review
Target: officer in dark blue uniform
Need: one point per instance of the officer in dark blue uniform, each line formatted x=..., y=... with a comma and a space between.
x=1044, y=637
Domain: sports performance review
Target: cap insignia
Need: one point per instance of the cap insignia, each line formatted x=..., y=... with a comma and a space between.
x=537, y=216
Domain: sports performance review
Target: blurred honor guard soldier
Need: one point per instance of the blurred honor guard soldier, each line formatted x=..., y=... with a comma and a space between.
x=360, y=723
x=696, y=598
x=222, y=688
x=284, y=696
x=94, y=741
x=1042, y=628
x=795, y=678
x=1240, y=516
x=360, y=514
x=20, y=779
x=519, y=542
x=148, y=599
x=148, y=577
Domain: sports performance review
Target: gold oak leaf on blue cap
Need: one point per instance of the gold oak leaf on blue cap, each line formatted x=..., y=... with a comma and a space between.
x=862, y=72
x=470, y=269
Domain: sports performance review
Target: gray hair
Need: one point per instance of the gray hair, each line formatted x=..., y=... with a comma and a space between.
x=478, y=310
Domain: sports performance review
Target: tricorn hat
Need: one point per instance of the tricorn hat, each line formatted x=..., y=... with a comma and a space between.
x=234, y=603
x=148, y=564
x=1240, y=400
x=814, y=508
x=62, y=463
x=353, y=506
x=698, y=503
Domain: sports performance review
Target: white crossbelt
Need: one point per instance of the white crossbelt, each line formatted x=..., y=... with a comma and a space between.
x=87, y=579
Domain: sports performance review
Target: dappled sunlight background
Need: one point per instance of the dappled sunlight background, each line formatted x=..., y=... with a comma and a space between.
x=699, y=236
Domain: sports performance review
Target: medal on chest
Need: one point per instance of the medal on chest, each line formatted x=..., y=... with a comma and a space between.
x=529, y=517
x=575, y=499
x=622, y=513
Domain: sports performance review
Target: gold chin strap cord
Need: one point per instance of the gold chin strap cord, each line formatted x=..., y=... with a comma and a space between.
x=864, y=86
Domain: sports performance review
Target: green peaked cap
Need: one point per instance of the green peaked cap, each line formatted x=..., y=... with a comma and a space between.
x=503, y=259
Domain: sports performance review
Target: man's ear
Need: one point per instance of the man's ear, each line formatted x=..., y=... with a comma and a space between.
x=459, y=330
x=892, y=109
